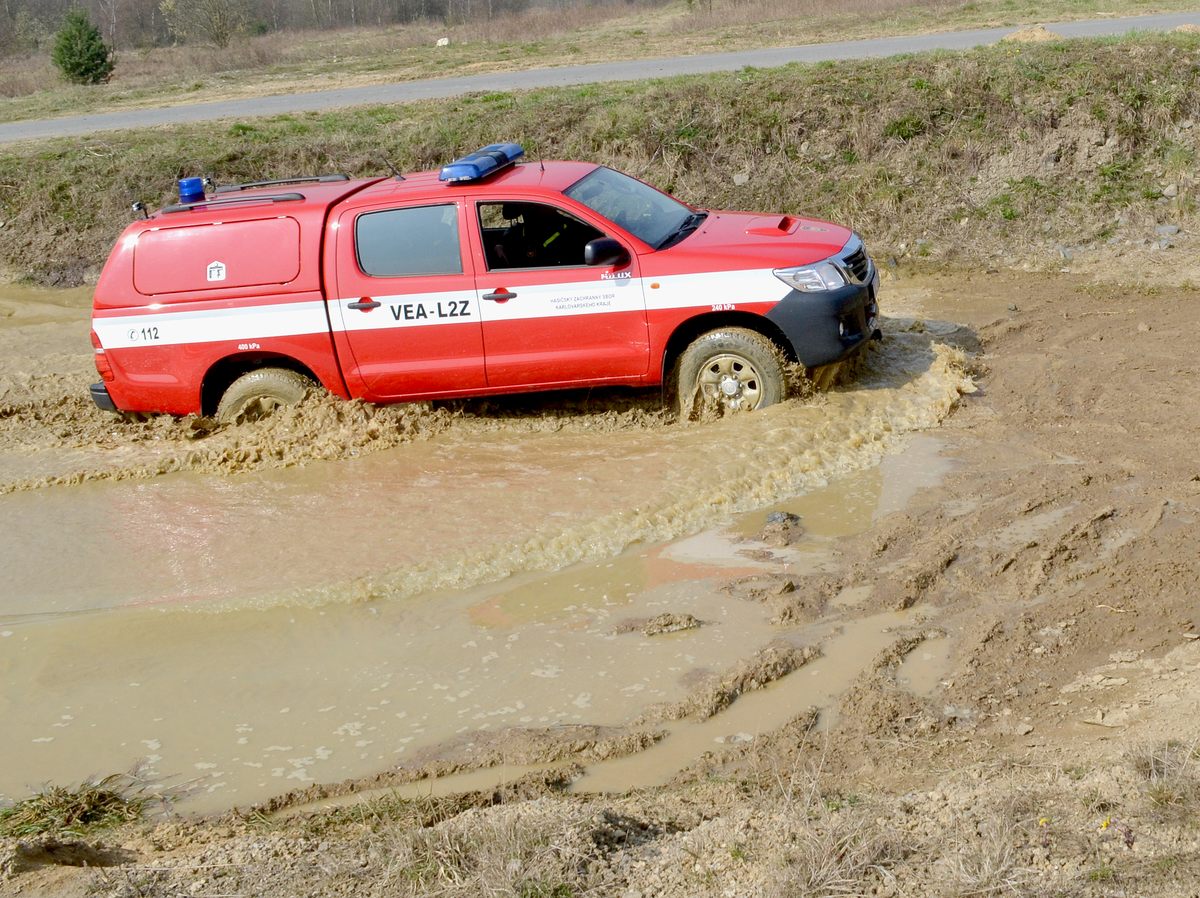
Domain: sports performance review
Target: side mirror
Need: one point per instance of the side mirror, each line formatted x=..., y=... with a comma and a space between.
x=605, y=251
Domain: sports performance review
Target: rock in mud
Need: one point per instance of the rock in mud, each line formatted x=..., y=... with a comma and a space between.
x=660, y=624
x=781, y=530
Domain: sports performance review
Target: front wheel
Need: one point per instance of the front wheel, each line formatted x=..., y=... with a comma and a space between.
x=257, y=393
x=731, y=369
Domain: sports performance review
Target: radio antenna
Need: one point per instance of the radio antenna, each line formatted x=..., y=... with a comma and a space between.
x=392, y=168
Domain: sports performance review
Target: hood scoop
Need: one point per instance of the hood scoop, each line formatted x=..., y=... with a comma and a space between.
x=772, y=226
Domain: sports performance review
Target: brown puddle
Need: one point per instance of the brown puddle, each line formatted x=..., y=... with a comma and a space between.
x=815, y=685
x=849, y=649
x=246, y=634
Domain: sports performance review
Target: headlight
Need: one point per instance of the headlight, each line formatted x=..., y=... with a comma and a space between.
x=812, y=278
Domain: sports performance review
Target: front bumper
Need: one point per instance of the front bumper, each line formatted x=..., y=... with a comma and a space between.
x=824, y=328
x=100, y=396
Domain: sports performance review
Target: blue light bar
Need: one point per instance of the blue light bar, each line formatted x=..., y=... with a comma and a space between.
x=481, y=163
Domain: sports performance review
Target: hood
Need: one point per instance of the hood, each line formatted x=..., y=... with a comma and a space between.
x=748, y=239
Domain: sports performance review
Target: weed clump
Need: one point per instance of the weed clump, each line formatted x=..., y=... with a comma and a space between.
x=1172, y=776
x=111, y=801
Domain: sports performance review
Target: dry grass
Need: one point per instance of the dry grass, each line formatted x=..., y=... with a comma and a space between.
x=540, y=36
x=843, y=855
x=1171, y=771
x=985, y=863
x=114, y=800
x=495, y=854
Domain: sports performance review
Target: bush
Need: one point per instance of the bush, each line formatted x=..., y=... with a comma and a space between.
x=80, y=52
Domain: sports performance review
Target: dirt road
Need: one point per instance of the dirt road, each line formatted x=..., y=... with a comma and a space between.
x=982, y=651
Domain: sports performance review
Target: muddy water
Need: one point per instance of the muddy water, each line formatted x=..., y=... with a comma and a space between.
x=241, y=634
x=236, y=706
x=449, y=512
x=848, y=645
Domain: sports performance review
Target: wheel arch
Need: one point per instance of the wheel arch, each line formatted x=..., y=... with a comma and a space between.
x=223, y=373
x=689, y=330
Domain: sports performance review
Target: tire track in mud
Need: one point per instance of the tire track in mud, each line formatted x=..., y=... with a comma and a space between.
x=795, y=448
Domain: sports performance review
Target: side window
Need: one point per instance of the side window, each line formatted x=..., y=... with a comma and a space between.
x=405, y=242
x=532, y=235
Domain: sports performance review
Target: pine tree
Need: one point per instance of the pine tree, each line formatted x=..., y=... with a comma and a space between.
x=79, y=50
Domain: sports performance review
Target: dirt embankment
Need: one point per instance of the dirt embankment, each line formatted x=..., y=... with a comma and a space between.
x=1022, y=153
x=1054, y=756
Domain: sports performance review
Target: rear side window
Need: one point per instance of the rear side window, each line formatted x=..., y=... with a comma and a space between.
x=407, y=242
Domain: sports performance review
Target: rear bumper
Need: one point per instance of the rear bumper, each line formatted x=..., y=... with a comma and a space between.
x=100, y=396
x=825, y=328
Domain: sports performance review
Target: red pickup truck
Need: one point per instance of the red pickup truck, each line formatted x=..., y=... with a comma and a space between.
x=488, y=276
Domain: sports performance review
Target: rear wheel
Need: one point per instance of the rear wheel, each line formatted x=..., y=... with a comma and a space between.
x=729, y=370
x=258, y=393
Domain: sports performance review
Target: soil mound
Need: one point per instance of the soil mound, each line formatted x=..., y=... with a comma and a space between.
x=1033, y=34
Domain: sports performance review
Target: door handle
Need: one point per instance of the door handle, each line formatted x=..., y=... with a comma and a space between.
x=365, y=304
x=500, y=295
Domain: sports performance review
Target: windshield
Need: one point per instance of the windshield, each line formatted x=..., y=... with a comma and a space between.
x=648, y=214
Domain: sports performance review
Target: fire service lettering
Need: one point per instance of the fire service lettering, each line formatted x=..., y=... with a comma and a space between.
x=418, y=311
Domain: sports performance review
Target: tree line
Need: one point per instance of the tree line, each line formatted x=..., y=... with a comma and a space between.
x=30, y=25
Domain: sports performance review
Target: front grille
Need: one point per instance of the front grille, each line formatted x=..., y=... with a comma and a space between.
x=857, y=264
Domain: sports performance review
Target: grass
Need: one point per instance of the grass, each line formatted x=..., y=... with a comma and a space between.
x=506, y=854
x=286, y=62
x=114, y=800
x=997, y=136
x=838, y=856
x=1171, y=773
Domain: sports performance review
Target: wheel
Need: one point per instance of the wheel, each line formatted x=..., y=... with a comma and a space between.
x=258, y=393
x=731, y=370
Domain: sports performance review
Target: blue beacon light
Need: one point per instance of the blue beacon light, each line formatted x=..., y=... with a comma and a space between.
x=191, y=190
x=481, y=163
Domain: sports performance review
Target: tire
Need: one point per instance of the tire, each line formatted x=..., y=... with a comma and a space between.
x=258, y=393
x=729, y=370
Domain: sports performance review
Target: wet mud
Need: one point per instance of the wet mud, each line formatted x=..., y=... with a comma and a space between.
x=339, y=590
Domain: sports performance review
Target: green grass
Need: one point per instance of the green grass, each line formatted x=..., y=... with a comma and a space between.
x=284, y=62
x=79, y=810
x=1027, y=162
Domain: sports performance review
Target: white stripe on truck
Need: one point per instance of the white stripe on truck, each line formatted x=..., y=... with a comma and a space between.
x=602, y=296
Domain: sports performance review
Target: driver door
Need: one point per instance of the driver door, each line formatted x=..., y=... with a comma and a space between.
x=549, y=320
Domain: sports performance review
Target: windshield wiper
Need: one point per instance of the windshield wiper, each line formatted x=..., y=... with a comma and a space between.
x=686, y=227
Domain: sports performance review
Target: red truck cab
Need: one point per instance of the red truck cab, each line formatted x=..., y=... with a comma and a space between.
x=487, y=277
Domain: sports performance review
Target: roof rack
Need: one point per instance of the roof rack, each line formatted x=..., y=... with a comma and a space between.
x=310, y=179
x=230, y=200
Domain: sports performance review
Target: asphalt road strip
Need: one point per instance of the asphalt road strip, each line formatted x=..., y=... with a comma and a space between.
x=562, y=76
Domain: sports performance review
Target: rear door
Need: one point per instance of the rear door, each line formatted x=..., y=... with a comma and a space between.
x=407, y=317
x=548, y=319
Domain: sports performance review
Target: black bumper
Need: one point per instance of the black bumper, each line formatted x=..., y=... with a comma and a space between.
x=824, y=328
x=101, y=398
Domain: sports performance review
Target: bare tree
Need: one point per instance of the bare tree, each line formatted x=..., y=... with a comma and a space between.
x=217, y=20
x=108, y=14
